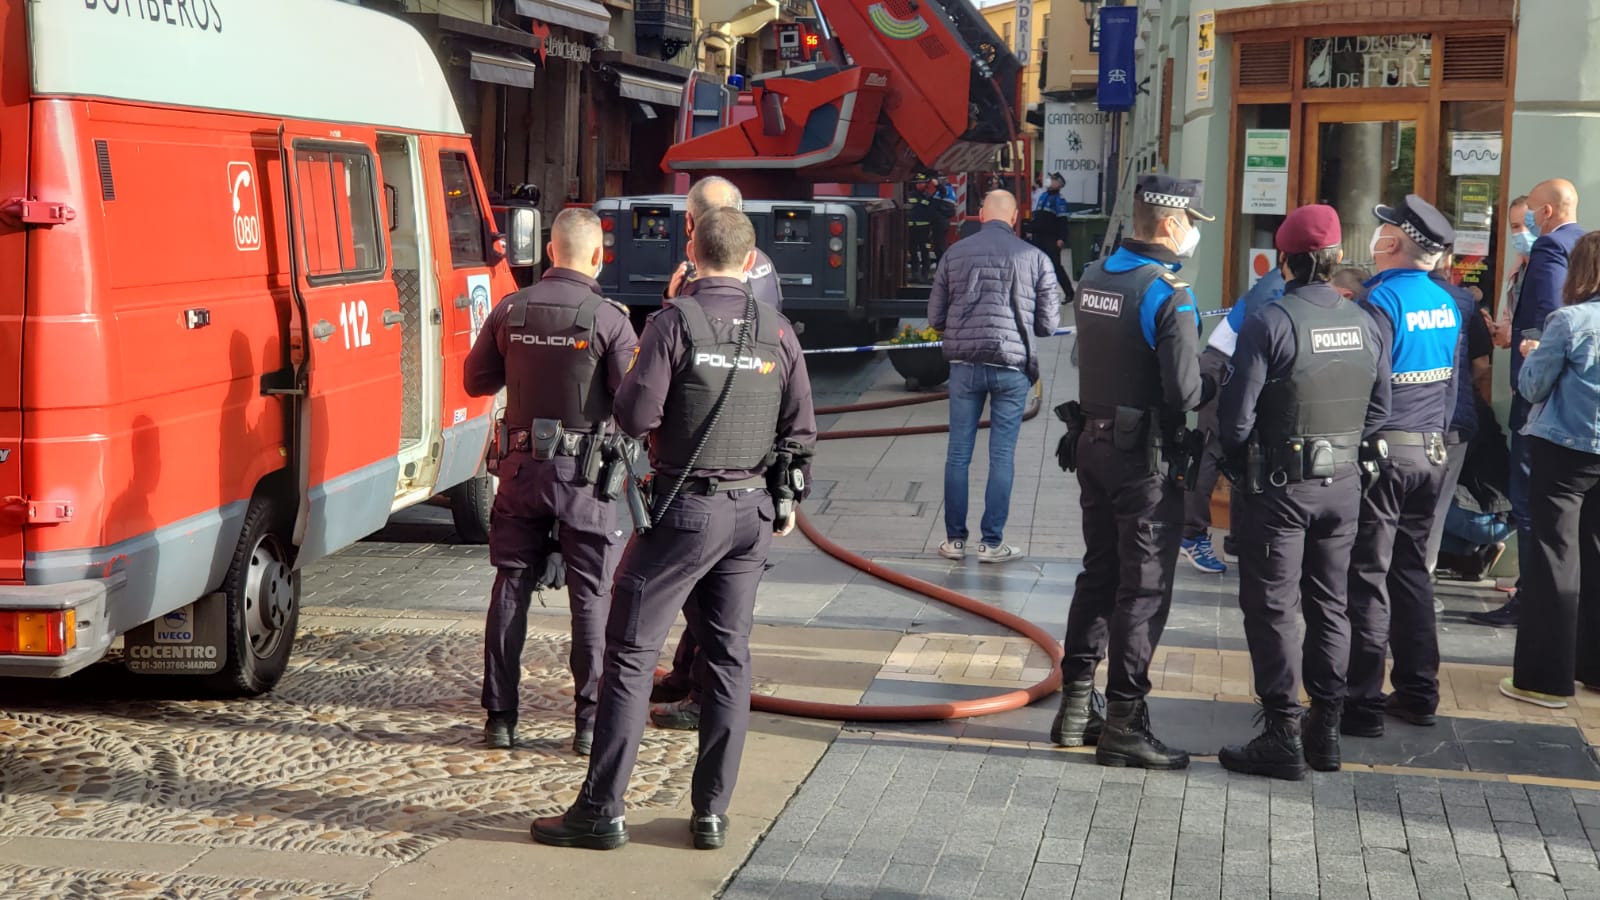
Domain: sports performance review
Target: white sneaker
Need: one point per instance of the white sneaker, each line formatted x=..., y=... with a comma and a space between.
x=956, y=550
x=999, y=554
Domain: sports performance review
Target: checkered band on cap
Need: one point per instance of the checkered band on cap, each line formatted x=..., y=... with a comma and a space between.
x=1172, y=200
x=1423, y=241
x=1427, y=376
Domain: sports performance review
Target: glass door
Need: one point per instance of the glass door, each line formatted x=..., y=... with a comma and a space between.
x=1360, y=155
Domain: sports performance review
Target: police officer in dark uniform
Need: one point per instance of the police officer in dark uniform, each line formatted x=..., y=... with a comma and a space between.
x=1305, y=387
x=1391, y=592
x=919, y=229
x=560, y=350
x=676, y=693
x=719, y=384
x=1139, y=340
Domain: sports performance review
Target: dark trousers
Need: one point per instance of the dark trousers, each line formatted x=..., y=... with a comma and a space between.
x=1131, y=527
x=709, y=551
x=687, y=669
x=1558, y=634
x=1294, y=547
x=533, y=495
x=941, y=238
x=1521, y=516
x=1197, y=503
x=1391, y=592
x=921, y=255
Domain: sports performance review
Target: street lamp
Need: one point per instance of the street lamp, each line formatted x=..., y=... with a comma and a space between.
x=1090, y=7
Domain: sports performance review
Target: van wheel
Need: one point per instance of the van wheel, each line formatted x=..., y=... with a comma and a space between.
x=470, y=502
x=262, y=593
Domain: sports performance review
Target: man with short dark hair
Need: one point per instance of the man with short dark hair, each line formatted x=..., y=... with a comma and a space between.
x=720, y=386
x=1306, y=385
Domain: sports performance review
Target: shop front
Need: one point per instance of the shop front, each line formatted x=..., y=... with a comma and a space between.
x=1355, y=103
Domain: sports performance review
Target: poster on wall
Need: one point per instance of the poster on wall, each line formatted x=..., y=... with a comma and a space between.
x=1202, y=80
x=1266, y=171
x=1205, y=35
x=1074, y=134
x=1472, y=243
x=1261, y=262
x=1473, y=202
x=1475, y=153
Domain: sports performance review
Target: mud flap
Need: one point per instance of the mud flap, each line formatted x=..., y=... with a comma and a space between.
x=190, y=640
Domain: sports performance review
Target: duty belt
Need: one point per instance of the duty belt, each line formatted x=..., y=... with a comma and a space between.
x=1431, y=441
x=571, y=441
x=706, y=486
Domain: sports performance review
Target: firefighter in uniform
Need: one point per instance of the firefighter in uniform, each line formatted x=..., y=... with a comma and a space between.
x=676, y=695
x=1139, y=340
x=1306, y=385
x=1391, y=591
x=720, y=386
x=919, y=229
x=560, y=350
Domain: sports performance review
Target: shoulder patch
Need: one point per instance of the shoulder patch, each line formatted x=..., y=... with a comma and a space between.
x=621, y=306
x=1177, y=283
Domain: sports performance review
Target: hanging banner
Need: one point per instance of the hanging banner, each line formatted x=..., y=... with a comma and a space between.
x=1073, y=138
x=1119, y=27
x=1024, y=45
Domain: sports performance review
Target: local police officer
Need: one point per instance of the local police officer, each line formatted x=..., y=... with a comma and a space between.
x=919, y=229
x=1391, y=593
x=1306, y=385
x=719, y=384
x=560, y=350
x=676, y=693
x=1139, y=339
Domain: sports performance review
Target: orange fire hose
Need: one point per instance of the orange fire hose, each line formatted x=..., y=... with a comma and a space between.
x=958, y=709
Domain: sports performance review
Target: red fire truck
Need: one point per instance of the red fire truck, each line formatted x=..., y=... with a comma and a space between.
x=818, y=150
x=244, y=248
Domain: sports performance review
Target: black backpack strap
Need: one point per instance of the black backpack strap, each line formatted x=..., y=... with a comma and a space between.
x=694, y=321
x=519, y=310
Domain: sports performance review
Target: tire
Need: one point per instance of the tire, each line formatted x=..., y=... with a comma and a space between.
x=262, y=594
x=470, y=502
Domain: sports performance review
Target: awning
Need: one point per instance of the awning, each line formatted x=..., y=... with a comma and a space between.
x=649, y=90
x=579, y=15
x=506, y=70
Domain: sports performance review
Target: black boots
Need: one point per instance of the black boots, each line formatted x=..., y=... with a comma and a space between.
x=500, y=732
x=1080, y=720
x=1126, y=741
x=710, y=831
x=1320, y=732
x=1276, y=752
x=575, y=829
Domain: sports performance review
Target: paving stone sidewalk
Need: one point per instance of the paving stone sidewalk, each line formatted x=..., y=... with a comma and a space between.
x=890, y=816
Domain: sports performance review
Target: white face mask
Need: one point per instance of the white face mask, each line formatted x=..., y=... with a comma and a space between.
x=1191, y=240
x=599, y=267
x=1377, y=235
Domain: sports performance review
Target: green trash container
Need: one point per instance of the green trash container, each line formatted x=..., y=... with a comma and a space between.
x=1085, y=233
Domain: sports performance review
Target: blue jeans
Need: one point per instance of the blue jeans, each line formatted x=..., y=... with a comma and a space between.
x=1007, y=393
x=1521, y=519
x=1465, y=532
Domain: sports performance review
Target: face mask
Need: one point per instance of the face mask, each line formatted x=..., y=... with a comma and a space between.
x=1191, y=240
x=1522, y=242
x=599, y=267
x=1377, y=235
x=1527, y=219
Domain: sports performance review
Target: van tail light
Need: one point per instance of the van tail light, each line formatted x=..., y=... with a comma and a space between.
x=835, y=260
x=610, y=257
x=607, y=223
x=836, y=227
x=38, y=632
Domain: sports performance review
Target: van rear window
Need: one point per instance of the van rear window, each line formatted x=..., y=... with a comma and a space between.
x=338, y=213
x=463, y=211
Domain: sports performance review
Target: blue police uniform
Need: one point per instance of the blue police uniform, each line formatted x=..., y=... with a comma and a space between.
x=1391, y=592
x=1139, y=337
x=1052, y=202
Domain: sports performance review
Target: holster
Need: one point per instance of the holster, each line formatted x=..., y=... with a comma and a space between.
x=499, y=443
x=1188, y=451
x=1369, y=459
x=1067, y=449
x=1133, y=431
x=546, y=435
x=1255, y=467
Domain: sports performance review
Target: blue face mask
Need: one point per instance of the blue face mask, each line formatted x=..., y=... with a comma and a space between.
x=1527, y=219
x=1522, y=242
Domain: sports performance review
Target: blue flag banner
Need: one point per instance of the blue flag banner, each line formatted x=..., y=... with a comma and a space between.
x=1119, y=26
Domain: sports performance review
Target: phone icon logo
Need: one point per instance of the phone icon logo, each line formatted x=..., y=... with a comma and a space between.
x=246, y=204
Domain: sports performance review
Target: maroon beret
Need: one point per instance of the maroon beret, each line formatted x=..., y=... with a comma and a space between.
x=1308, y=229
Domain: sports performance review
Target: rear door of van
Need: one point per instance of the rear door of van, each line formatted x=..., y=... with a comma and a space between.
x=14, y=121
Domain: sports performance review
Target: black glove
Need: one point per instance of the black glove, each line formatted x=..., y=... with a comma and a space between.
x=1067, y=451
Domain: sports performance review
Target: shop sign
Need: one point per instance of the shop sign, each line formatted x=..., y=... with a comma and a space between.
x=559, y=47
x=1475, y=153
x=1370, y=61
x=1266, y=171
x=1024, y=47
x=1073, y=136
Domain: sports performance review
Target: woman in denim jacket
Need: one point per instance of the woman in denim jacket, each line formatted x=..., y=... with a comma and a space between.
x=1561, y=378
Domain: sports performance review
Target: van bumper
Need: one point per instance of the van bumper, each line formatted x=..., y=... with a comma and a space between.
x=88, y=597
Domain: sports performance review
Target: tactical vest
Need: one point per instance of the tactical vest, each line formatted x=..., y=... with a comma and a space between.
x=1325, y=395
x=553, y=364
x=748, y=427
x=1116, y=366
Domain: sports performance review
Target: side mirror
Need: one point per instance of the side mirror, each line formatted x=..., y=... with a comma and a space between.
x=522, y=228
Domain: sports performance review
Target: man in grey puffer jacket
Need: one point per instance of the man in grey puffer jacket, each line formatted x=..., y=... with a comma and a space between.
x=990, y=290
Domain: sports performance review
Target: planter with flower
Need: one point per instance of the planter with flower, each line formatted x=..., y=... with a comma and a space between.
x=922, y=367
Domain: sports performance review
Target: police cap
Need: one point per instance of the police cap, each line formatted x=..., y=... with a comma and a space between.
x=1175, y=193
x=1420, y=221
x=1309, y=229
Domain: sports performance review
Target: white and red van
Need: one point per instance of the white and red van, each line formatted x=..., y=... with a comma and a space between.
x=244, y=248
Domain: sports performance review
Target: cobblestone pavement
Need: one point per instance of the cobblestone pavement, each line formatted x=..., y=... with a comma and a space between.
x=889, y=816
